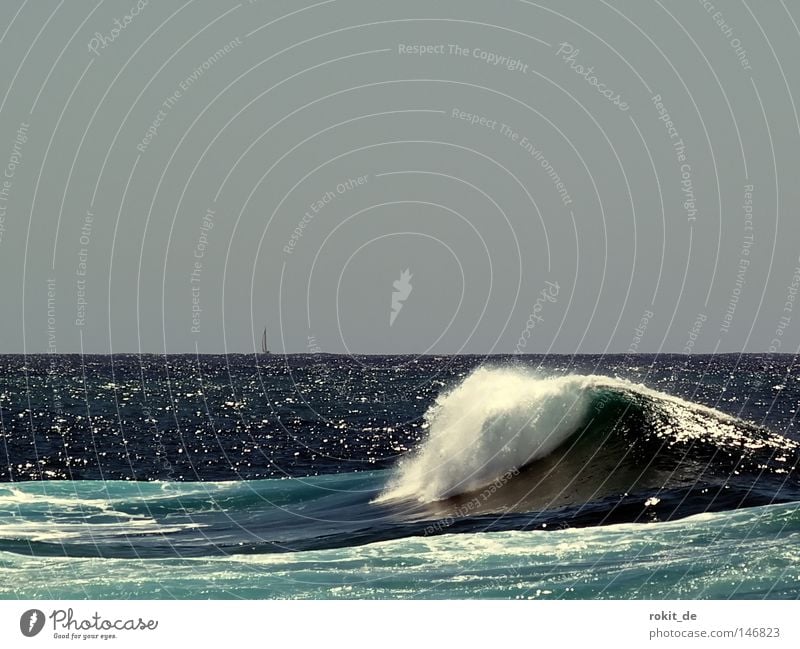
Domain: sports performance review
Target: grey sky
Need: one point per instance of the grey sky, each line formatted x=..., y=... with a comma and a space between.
x=556, y=177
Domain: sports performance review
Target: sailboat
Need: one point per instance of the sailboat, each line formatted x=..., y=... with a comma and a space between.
x=264, y=349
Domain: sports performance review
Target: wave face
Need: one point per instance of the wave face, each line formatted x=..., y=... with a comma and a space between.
x=545, y=442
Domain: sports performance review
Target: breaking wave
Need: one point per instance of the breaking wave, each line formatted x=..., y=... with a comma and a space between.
x=586, y=433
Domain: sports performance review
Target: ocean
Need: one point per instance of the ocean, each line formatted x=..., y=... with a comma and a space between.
x=325, y=476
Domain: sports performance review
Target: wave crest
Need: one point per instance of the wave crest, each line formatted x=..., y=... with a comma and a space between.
x=495, y=421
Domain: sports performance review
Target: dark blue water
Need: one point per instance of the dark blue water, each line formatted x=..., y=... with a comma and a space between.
x=240, y=417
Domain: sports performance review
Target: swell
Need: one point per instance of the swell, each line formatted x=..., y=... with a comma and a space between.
x=130, y=519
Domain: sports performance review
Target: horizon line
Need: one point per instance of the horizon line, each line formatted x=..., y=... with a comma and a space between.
x=484, y=354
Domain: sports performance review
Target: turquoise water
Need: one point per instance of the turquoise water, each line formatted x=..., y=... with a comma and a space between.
x=750, y=553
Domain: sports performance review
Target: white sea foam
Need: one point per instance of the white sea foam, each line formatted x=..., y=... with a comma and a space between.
x=495, y=421
x=53, y=532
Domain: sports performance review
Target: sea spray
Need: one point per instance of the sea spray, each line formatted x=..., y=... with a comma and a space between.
x=495, y=421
